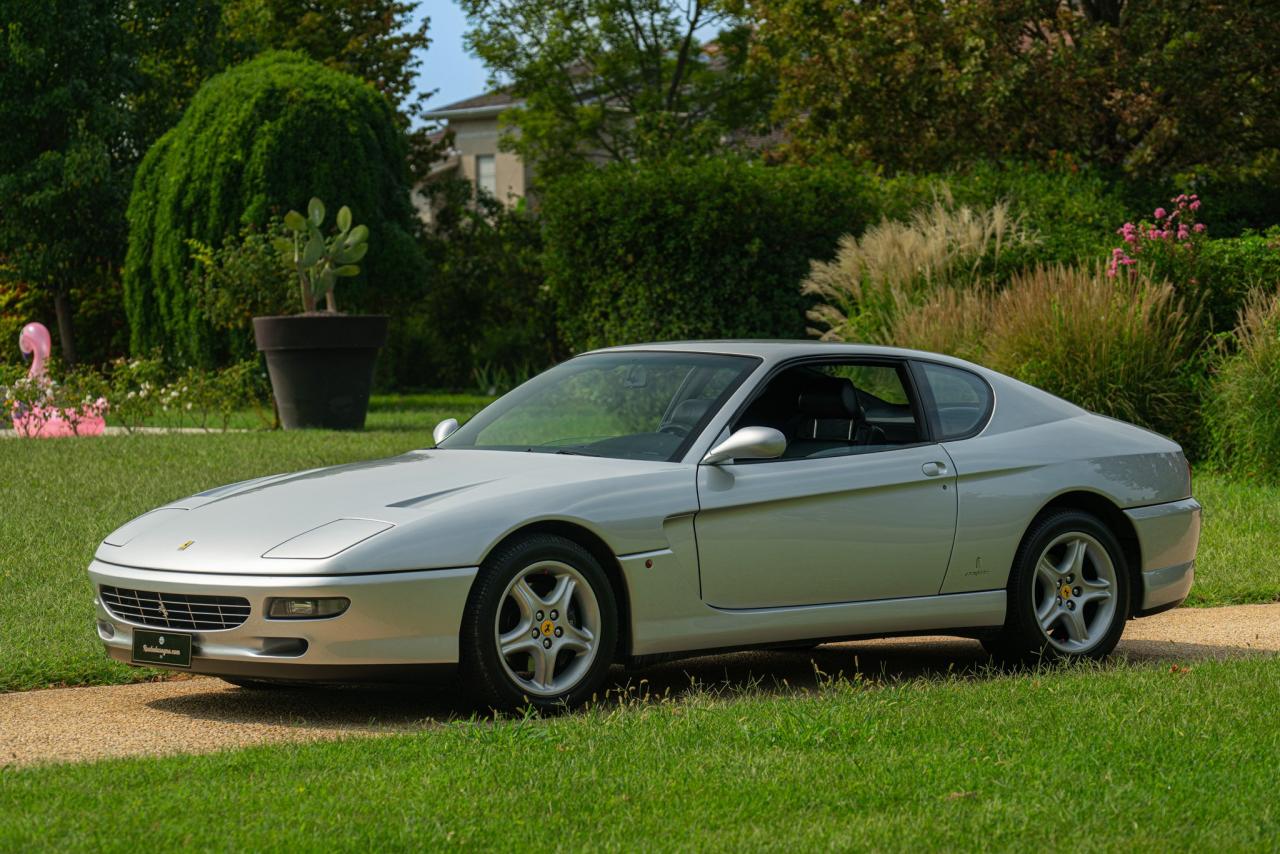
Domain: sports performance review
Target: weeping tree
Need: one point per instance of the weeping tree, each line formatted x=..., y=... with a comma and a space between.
x=257, y=141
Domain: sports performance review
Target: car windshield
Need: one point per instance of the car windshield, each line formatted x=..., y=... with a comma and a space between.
x=629, y=405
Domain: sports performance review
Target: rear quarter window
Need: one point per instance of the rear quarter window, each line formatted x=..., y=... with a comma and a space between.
x=961, y=399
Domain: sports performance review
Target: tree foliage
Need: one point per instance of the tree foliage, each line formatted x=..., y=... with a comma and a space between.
x=87, y=86
x=1156, y=88
x=376, y=40
x=380, y=41
x=618, y=79
x=258, y=140
x=64, y=79
x=487, y=308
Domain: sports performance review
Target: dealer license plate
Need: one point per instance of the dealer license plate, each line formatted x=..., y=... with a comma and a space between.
x=168, y=648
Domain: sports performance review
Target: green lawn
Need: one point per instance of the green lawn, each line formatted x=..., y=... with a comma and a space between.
x=1148, y=758
x=386, y=412
x=60, y=498
x=1239, y=557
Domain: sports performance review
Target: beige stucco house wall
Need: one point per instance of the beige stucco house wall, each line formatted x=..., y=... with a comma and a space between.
x=475, y=154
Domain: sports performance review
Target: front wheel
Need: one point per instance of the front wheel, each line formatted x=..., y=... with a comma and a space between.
x=540, y=626
x=1068, y=594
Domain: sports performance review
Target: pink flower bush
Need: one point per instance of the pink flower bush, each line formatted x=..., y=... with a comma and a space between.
x=1171, y=240
x=46, y=422
x=39, y=409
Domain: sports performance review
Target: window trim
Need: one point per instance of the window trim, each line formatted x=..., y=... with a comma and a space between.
x=931, y=404
x=906, y=375
x=492, y=159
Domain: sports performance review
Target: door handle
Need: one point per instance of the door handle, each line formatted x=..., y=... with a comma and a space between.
x=934, y=469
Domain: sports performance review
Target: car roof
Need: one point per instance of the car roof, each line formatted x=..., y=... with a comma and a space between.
x=774, y=350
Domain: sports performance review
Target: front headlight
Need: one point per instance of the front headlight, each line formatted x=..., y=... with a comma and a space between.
x=307, y=609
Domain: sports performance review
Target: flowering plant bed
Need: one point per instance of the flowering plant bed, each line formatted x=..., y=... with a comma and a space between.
x=43, y=421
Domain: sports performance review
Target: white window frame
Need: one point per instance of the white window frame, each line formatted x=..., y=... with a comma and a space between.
x=492, y=178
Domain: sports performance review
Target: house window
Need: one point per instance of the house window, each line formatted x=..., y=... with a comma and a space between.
x=486, y=174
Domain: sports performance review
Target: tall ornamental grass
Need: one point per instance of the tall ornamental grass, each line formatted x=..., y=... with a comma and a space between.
x=1121, y=349
x=895, y=266
x=1243, y=407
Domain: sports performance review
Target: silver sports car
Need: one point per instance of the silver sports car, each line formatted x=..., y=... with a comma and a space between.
x=659, y=500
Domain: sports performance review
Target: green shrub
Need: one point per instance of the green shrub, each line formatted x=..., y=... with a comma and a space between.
x=256, y=141
x=715, y=249
x=1245, y=201
x=246, y=277
x=1229, y=269
x=487, y=309
x=1243, y=411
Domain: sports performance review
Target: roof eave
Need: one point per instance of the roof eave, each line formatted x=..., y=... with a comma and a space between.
x=485, y=112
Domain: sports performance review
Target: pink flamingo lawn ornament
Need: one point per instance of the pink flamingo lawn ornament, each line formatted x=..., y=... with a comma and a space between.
x=44, y=420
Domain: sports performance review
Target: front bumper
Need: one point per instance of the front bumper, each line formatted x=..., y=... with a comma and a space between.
x=398, y=623
x=1168, y=535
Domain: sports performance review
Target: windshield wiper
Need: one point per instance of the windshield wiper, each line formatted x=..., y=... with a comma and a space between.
x=577, y=453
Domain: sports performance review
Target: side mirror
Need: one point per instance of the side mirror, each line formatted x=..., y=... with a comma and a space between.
x=749, y=443
x=444, y=430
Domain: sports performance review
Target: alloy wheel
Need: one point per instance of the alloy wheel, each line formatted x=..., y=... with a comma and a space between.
x=1075, y=592
x=547, y=628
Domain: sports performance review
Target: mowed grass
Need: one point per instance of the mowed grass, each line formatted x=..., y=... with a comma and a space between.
x=1239, y=557
x=1149, y=758
x=415, y=411
x=59, y=498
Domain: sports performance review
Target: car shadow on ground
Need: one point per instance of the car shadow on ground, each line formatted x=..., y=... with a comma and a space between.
x=392, y=708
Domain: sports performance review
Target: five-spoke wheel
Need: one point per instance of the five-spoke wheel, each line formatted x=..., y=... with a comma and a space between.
x=1068, y=593
x=546, y=628
x=540, y=626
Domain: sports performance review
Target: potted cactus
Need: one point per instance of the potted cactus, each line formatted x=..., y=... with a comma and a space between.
x=321, y=361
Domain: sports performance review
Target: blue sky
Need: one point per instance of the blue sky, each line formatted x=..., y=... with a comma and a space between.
x=446, y=66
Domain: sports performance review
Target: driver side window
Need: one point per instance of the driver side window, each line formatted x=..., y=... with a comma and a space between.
x=837, y=409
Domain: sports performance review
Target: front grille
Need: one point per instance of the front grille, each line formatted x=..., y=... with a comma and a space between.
x=175, y=610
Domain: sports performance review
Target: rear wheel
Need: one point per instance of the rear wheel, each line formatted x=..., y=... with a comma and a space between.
x=540, y=626
x=1068, y=594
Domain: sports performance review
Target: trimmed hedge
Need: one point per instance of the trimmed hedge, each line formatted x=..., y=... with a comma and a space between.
x=714, y=249
x=258, y=140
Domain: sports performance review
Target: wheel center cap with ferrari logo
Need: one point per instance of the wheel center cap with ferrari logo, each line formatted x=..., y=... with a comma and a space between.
x=1065, y=591
x=548, y=627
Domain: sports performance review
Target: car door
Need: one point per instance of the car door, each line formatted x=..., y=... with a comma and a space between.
x=877, y=522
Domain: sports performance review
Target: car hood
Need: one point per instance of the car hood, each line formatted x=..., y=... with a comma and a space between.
x=367, y=517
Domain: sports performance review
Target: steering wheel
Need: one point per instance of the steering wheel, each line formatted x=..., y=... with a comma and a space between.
x=677, y=430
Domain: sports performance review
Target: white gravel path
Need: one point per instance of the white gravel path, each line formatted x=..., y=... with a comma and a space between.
x=202, y=715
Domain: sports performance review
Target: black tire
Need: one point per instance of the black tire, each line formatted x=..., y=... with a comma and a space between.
x=480, y=665
x=1022, y=641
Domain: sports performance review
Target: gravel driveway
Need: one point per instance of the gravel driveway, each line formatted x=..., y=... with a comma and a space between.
x=202, y=715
